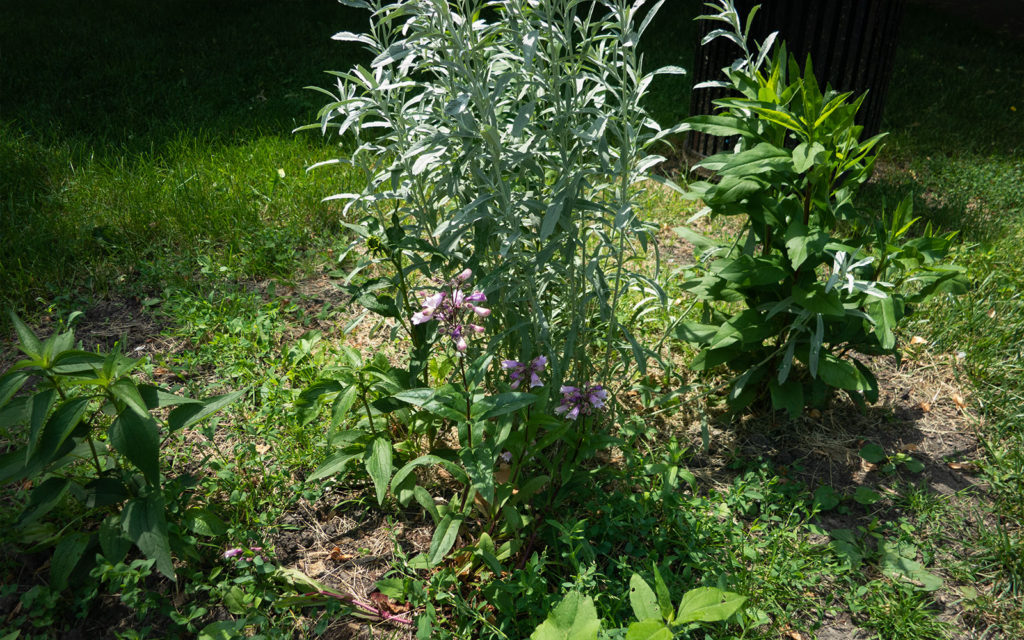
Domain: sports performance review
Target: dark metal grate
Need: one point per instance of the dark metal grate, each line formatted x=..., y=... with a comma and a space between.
x=852, y=44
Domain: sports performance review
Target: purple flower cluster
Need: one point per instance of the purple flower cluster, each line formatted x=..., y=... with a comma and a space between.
x=585, y=400
x=450, y=308
x=236, y=552
x=520, y=371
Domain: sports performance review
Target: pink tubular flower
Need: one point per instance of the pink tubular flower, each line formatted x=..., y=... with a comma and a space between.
x=577, y=401
x=450, y=308
x=518, y=371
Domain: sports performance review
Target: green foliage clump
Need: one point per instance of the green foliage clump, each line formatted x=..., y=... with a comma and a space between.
x=811, y=281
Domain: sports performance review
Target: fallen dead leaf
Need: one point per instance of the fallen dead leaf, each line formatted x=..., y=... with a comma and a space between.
x=958, y=400
x=925, y=406
x=384, y=603
x=338, y=556
x=966, y=467
x=916, y=340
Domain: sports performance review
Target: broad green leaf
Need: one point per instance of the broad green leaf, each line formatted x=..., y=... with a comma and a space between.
x=872, y=453
x=125, y=391
x=451, y=467
x=205, y=523
x=866, y=496
x=378, y=465
x=664, y=597
x=222, y=630
x=642, y=599
x=708, y=604
x=894, y=565
x=10, y=383
x=426, y=501
x=17, y=412
x=479, y=465
x=718, y=125
x=335, y=464
x=885, y=322
x=575, y=618
x=806, y=155
x=826, y=498
x=144, y=523
x=840, y=374
x=431, y=401
x=113, y=543
x=105, y=491
x=12, y=466
x=343, y=404
x=761, y=158
x=27, y=341
x=696, y=333
x=444, y=538
x=137, y=437
x=40, y=406
x=191, y=414
x=66, y=555
x=913, y=465
x=157, y=398
x=62, y=422
x=382, y=305
x=816, y=300
x=502, y=404
x=234, y=601
x=650, y=629
x=43, y=499
x=789, y=396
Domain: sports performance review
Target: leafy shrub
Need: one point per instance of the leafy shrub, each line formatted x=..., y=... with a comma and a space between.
x=505, y=142
x=508, y=137
x=810, y=281
x=93, y=434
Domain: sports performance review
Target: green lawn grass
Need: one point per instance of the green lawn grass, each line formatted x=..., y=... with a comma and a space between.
x=146, y=153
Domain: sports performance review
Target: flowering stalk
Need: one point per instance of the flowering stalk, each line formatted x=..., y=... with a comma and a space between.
x=577, y=401
x=519, y=371
x=452, y=308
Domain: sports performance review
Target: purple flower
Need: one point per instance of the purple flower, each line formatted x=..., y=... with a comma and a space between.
x=577, y=401
x=430, y=306
x=450, y=308
x=234, y=553
x=519, y=371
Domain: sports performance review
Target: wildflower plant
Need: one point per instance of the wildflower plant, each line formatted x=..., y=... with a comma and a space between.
x=811, y=282
x=506, y=141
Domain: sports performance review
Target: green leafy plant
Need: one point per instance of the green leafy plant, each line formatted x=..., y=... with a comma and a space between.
x=92, y=433
x=810, y=282
x=510, y=137
x=575, y=617
x=504, y=141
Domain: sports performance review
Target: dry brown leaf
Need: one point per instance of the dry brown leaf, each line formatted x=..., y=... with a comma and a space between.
x=793, y=634
x=502, y=473
x=338, y=556
x=814, y=413
x=916, y=340
x=966, y=467
x=908, y=447
x=925, y=406
x=958, y=400
x=384, y=603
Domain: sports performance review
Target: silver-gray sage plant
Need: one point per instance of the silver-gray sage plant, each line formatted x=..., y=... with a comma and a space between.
x=508, y=137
